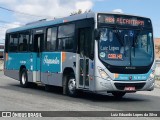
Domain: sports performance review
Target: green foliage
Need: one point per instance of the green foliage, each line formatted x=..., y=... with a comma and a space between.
x=79, y=12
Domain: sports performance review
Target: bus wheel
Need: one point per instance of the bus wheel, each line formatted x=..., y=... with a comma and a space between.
x=24, y=78
x=71, y=87
x=118, y=94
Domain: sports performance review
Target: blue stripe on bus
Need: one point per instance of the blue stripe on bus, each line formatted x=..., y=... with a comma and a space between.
x=15, y=60
x=49, y=61
x=136, y=77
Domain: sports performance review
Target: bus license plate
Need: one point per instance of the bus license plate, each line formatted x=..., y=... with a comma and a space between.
x=129, y=88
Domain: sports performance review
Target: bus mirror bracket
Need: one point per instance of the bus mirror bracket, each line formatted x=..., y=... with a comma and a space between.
x=97, y=34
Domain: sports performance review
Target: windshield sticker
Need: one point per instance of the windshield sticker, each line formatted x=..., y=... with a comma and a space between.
x=102, y=54
x=110, y=48
x=104, y=36
x=115, y=56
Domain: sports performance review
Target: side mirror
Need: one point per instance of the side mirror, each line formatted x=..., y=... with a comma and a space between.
x=97, y=34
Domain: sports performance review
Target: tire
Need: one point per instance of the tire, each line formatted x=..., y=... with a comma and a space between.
x=24, y=78
x=71, y=87
x=118, y=94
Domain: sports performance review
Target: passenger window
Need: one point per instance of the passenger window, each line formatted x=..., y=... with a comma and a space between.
x=13, y=43
x=65, y=37
x=23, y=42
x=51, y=39
x=31, y=46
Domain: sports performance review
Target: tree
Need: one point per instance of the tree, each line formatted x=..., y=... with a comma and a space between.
x=79, y=12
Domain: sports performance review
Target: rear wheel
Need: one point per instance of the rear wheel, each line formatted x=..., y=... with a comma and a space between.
x=118, y=94
x=24, y=78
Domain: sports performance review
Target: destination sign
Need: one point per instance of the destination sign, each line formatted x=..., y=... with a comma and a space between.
x=124, y=20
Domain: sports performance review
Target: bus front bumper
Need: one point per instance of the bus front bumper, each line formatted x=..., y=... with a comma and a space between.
x=102, y=85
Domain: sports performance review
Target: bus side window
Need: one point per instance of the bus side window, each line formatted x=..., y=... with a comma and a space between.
x=23, y=41
x=66, y=37
x=51, y=39
x=31, y=44
x=13, y=43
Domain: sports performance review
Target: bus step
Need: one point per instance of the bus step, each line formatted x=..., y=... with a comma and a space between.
x=39, y=83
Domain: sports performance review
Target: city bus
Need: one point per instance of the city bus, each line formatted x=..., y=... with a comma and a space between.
x=108, y=53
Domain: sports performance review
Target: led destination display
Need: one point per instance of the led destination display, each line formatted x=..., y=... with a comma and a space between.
x=123, y=20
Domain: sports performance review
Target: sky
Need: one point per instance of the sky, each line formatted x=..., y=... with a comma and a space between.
x=39, y=9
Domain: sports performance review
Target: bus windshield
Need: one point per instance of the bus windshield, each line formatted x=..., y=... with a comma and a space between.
x=126, y=47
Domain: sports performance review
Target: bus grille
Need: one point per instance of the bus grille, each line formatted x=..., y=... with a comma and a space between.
x=121, y=86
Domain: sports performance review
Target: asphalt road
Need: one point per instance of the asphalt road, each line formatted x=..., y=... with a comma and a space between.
x=15, y=98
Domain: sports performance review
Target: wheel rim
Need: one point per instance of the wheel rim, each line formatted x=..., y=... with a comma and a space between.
x=71, y=86
x=23, y=78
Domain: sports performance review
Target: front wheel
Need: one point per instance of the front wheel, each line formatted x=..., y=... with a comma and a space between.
x=24, y=78
x=71, y=87
x=118, y=94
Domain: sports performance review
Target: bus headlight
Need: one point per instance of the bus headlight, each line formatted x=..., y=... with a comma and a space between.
x=152, y=74
x=103, y=74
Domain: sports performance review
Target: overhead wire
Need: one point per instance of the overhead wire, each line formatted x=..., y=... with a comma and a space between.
x=7, y=22
x=14, y=11
x=18, y=12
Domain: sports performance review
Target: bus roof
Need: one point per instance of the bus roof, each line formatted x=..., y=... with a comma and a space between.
x=52, y=22
x=45, y=23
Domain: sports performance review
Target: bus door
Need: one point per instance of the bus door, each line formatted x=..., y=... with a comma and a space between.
x=84, y=36
x=38, y=42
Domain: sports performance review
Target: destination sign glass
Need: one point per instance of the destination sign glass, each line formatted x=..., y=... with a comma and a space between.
x=123, y=20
